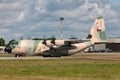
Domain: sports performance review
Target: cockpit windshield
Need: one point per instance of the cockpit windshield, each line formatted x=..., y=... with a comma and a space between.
x=13, y=43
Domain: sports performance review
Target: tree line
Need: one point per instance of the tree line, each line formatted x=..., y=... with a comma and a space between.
x=2, y=41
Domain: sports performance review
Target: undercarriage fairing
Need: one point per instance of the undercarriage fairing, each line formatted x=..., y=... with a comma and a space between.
x=57, y=52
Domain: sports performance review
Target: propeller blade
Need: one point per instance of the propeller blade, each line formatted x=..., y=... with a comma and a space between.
x=53, y=40
x=44, y=41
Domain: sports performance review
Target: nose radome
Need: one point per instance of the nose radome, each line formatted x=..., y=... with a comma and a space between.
x=8, y=49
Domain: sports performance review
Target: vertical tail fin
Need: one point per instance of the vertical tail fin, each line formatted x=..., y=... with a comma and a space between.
x=98, y=33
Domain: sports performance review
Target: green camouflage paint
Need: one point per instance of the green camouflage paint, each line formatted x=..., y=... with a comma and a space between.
x=36, y=42
x=103, y=35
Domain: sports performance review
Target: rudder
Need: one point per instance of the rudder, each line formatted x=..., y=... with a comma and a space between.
x=97, y=32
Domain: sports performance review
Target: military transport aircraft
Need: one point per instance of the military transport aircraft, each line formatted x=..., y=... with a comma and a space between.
x=57, y=48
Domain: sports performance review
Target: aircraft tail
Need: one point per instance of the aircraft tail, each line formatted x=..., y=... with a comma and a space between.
x=97, y=32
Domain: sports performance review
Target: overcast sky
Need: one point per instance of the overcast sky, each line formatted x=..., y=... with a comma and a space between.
x=38, y=18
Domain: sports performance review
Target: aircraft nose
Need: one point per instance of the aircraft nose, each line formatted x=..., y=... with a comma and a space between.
x=8, y=49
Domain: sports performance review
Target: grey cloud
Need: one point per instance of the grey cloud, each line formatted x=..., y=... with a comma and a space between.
x=41, y=17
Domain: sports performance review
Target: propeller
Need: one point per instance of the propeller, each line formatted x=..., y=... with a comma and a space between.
x=53, y=40
x=44, y=41
x=8, y=49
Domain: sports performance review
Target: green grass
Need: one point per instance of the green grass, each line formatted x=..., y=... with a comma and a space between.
x=59, y=69
x=6, y=55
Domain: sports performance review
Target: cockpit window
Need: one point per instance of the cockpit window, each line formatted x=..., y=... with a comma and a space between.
x=15, y=42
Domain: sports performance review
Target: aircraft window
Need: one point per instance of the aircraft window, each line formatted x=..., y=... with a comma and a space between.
x=15, y=43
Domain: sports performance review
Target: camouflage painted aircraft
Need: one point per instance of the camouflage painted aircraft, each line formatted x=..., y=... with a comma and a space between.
x=57, y=48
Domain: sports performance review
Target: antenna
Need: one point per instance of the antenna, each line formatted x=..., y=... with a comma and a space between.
x=61, y=19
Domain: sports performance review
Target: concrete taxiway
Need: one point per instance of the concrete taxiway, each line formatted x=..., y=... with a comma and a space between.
x=24, y=58
x=78, y=56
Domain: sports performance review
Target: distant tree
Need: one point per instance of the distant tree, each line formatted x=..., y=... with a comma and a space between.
x=72, y=37
x=21, y=38
x=51, y=38
x=2, y=42
x=37, y=39
x=28, y=38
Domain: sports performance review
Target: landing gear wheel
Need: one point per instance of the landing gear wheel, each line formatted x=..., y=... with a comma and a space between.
x=17, y=55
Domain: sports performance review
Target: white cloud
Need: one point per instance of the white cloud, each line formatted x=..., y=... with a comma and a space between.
x=42, y=16
x=11, y=12
x=17, y=35
x=21, y=16
x=4, y=30
x=41, y=6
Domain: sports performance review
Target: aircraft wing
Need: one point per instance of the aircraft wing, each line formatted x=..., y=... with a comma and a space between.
x=73, y=41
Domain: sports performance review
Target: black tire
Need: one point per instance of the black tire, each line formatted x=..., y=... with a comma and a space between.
x=45, y=56
x=17, y=55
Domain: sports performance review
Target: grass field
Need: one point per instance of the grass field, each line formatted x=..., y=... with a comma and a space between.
x=60, y=69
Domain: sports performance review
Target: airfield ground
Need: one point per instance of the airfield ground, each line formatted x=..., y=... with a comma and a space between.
x=102, y=66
